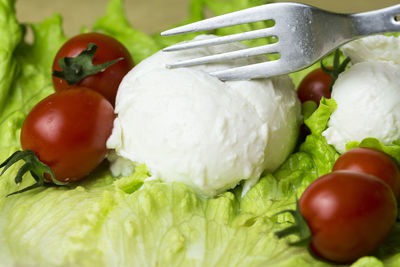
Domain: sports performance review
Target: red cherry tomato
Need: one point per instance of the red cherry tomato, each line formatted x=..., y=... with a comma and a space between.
x=105, y=82
x=373, y=162
x=68, y=131
x=315, y=86
x=349, y=214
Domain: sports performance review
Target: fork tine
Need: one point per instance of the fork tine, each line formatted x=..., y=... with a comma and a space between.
x=259, y=70
x=222, y=40
x=254, y=51
x=258, y=13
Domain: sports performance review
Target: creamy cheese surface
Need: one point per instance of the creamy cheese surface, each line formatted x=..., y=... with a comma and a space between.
x=374, y=48
x=190, y=127
x=367, y=94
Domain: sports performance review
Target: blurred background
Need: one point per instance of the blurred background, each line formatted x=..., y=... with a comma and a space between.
x=152, y=15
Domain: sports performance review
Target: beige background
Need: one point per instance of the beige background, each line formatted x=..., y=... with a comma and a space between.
x=151, y=15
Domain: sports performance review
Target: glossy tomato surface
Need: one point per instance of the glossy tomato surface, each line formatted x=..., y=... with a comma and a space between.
x=371, y=161
x=68, y=131
x=105, y=82
x=349, y=214
x=314, y=86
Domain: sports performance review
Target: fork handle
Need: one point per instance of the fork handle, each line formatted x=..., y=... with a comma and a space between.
x=377, y=21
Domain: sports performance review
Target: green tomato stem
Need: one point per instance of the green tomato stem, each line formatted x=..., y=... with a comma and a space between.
x=338, y=67
x=33, y=165
x=75, y=69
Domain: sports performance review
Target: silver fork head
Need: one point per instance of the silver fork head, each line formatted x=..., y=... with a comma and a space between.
x=304, y=34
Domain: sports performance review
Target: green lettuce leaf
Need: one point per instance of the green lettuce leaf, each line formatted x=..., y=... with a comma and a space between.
x=392, y=150
x=314, y=158
x=115, y=24
x=10, y=37
x=131, y=221
x=164, y=224
x=196, y=12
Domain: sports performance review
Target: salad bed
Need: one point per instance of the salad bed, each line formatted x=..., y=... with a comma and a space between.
x=110, y=222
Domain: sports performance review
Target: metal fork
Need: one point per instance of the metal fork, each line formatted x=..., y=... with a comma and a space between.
x=305, y=35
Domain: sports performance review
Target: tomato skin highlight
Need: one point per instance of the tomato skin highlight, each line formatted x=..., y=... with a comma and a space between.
x=373, y=162
x=68, y=131
x=105, y=82
x=349, y=214
x=314, y=86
